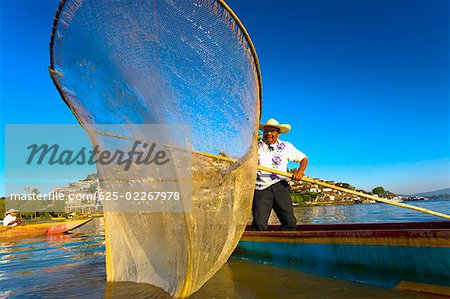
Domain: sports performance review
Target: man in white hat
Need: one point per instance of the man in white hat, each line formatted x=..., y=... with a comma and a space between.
x=272, y=190
x=11, y=219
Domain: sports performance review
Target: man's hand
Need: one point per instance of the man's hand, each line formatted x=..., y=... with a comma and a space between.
x=18, y=221
x=297, y=175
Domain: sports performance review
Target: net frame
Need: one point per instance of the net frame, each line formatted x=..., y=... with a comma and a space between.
x=53, y=71
x=186, y=288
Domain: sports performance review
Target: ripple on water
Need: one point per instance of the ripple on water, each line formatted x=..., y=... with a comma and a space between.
x=74, y=266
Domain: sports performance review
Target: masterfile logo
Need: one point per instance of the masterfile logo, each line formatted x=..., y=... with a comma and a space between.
x=139, y=167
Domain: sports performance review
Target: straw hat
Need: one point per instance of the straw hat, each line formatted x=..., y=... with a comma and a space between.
x=284, y=128
x=11, y=211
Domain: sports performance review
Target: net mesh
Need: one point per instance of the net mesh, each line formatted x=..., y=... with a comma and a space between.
x=167, y=62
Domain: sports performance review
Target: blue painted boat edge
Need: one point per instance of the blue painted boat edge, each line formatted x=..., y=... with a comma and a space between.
x=379, y=265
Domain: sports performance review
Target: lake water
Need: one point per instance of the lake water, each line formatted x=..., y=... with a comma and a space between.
x=377, y=212
x=73, y=265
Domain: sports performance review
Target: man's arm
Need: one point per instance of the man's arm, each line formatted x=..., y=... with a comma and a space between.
x=297, y=175
x=7, y=220
x=12, y=222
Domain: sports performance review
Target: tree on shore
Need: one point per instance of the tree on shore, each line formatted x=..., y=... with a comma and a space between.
x=92, y=188
x=33, y=205
x=378, y=190
x=2, y=207
x=91, y=177
x=346, y=186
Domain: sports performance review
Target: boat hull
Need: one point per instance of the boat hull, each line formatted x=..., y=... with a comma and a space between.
x=412, y=256
x=39, y=229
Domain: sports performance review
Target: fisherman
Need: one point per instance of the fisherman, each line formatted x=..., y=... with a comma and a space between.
x=272, y=190
x=11, y=219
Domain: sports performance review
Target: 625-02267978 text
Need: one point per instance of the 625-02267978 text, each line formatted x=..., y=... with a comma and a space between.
x=101, y=195
x=163, y=195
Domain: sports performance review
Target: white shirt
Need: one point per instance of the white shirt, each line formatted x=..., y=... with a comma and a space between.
x=8, y=219
x=275, y=156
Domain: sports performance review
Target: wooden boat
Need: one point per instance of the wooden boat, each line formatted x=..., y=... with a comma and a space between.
x=414, y=256
x=38, y=229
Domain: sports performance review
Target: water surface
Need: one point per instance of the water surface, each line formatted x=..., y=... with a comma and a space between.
x=74, y=266
x=370, y=213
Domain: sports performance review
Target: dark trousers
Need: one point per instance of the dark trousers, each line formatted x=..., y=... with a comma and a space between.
x=278, y=197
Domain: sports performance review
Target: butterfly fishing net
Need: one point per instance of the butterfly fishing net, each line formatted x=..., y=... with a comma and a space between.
x=161, y=62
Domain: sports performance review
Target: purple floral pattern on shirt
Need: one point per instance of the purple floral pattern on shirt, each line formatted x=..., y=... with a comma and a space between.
x=258, y=176
x=276, y=160
x=281, y=145
x=273, y=176
x=276, y=154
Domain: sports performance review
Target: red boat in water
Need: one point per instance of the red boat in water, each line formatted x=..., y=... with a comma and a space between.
x=39, y=229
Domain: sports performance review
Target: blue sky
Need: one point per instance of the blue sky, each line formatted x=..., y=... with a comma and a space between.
x=364, y=84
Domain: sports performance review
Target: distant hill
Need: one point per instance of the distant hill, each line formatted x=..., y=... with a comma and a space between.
x=436, y=192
